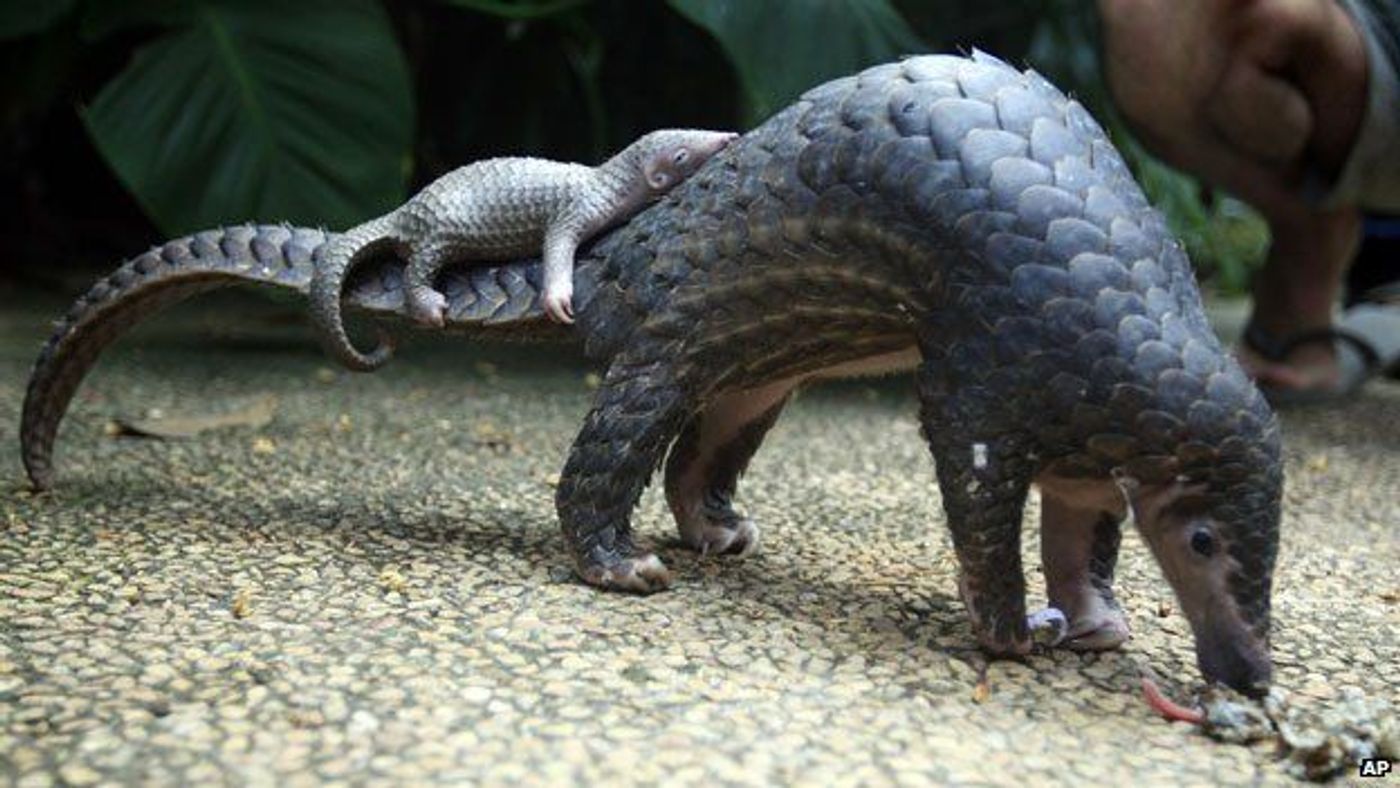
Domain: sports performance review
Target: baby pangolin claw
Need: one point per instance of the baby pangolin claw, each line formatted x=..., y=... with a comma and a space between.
x=559, y=306
x=428, y=307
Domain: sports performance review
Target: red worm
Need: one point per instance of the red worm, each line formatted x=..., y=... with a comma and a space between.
x=1167, y=707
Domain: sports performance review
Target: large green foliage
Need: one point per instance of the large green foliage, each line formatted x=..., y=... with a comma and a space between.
x=300, y=111
x=304, y=111
x=519, y=9
x=780, y=49
x=25, y=17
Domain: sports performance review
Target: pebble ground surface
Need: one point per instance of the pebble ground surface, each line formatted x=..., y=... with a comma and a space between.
x=372, y=588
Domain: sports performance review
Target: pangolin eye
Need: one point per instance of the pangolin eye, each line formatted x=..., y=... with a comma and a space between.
x=681, y=156
x=1203, y=543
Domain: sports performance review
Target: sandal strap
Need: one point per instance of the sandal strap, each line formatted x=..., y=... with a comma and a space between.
x=1276, y=350
x=1264, y=344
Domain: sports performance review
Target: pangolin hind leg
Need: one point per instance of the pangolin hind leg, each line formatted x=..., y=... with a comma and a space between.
x=984, y=475
x=638, y=412
x=704, y=466
x=425, y=304
x=1079, y=550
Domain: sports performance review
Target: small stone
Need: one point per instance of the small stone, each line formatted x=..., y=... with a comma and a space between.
x=335, y=709
x=78, y=774
x=362, y=723
x=981, y=691
x=390, y=579
x=242, y=605
x=474, y=696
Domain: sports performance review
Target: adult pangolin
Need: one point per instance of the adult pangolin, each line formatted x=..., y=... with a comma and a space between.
x=948, y=214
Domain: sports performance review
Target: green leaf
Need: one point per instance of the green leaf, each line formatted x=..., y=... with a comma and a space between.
x=26, y=17
x=255, y=109
x=101, y=19
x=518, y=9
x=781, y=49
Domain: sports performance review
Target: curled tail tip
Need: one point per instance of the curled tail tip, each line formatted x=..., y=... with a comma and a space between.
x=357, y=361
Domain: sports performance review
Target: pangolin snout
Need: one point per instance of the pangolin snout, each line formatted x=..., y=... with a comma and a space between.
x=1235, y=660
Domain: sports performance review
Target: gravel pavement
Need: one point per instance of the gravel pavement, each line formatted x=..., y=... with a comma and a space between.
x=372, y=587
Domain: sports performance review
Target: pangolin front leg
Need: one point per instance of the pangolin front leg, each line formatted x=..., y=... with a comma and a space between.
x=703, y=469
x=1079, y=550
x=638, y=411
x=984, y=475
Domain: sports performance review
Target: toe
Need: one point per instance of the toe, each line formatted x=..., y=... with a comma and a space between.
x=1098, y=635
x=1003, y=646
x=440, y=311
x=428, y=308
x=642, y=574
x=738, y=537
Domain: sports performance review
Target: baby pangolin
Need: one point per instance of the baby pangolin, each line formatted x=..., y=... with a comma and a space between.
x=499, y=209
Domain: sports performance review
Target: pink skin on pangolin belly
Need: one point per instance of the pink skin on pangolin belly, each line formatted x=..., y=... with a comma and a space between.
x=721, y=422
x=1071, y=510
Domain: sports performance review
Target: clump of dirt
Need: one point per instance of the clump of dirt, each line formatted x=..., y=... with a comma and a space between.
x=1318, y=743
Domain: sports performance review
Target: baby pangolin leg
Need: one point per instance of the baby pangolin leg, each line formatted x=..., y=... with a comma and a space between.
x=1079, y=549
x=425, y=304
x=638, y=411
x=706, y=462
x=560, y=242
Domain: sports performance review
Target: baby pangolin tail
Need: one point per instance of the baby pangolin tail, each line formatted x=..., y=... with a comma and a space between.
x=328, y=287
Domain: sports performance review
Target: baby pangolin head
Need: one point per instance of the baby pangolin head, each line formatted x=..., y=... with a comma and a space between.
x=669, y=156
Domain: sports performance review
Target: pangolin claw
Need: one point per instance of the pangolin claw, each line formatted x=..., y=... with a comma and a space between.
x=642, y=574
